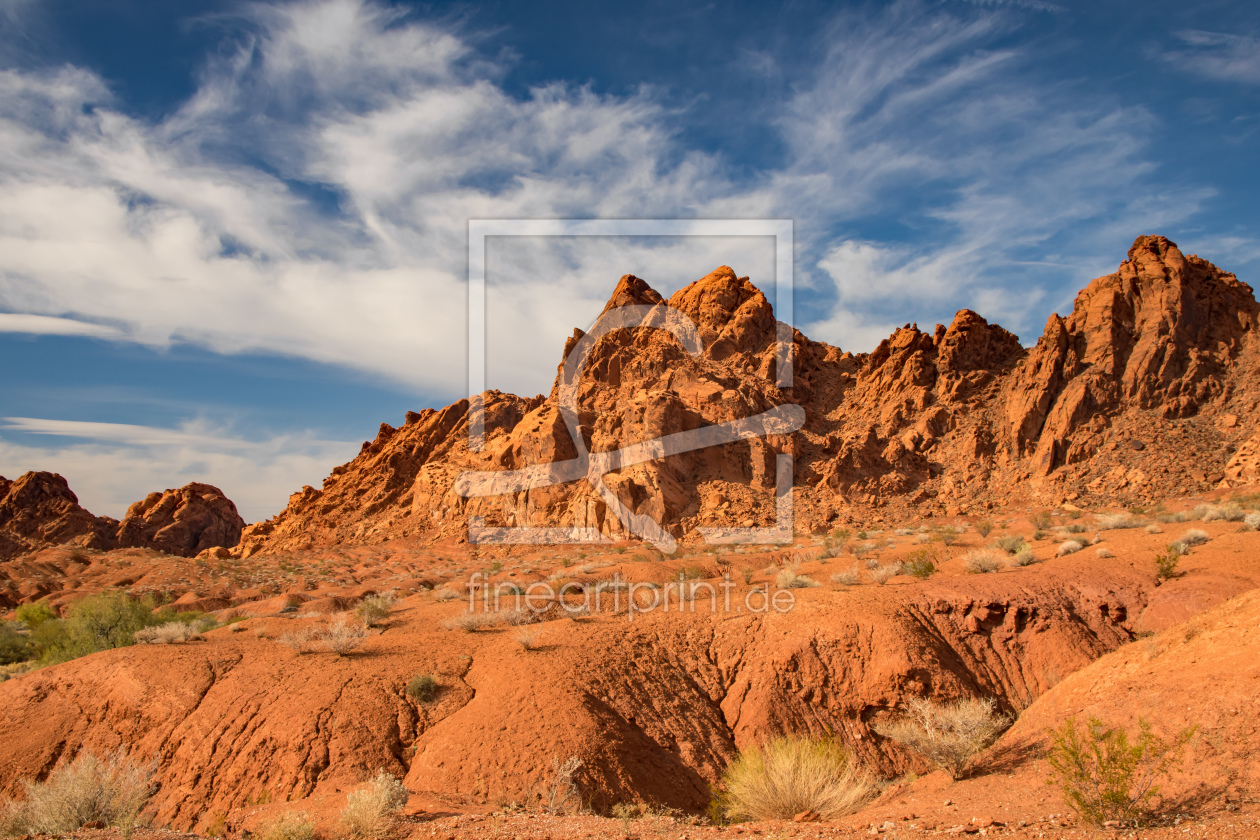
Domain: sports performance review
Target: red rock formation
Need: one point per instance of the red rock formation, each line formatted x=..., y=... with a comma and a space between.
x=1116, y=401
x=39, y=509
x=186, y=521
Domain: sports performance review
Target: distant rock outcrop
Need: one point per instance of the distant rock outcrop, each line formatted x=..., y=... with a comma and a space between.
x=39, y=510
x=1121, y=401
x=186, y=521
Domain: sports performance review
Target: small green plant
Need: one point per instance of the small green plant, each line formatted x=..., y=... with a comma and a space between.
x=423, y=688
x=983, y=527
x=1166, y=561
x=1107, y=776
x=789, y=775
x=920, y=565
x=375, y=609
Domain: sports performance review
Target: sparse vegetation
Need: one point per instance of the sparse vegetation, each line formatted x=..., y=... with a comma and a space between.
x=1228, y=512
x=296, y=640
x=1252, y=522
x=885, y=573
x=1104, y=552
x=110, y=791
x=527, y=639
x=1068, y=547
x=982, y=561
x=846, y=578
x=945, y=534
x=1154, y=529
x=1011, y=543
x=294, y=825
x=423, y=688
x=166, y=634
x=1194, y=537
x=948, y=734
x=1023, y=557
x=1106, y=776
x=789, y=579
x=789, y=775
x=984, y=527
x=375, y=610
x=1166, y=561
x=340, y=636
x=96, y=623
x=563, y=795
x=1118, y=521
x=372, y=811
x=920, y=565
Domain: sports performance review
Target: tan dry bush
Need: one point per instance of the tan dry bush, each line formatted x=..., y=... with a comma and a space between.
x=981, y=561
x=1252, y=522
x=1104, y=552
x=789, y=775
x=165, y=634
x=789, y=579
x=848, y=578
x=375, y=609
x=371, y=812
x=947, y=734
x=527, y=639
x=291, y=826
x=111, y=791
x=1023, y=557
x=296, y=640
x=1068, y=547
x=446, y=594
x=883, y=574
x=1118, y=521
x=1228, y=512
x=1194, y=537
x=340, y=636
x=563, y=795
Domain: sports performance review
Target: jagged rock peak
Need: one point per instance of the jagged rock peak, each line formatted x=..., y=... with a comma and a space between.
x=632, y=291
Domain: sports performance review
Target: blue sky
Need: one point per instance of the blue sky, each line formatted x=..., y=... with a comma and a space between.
x=232, y=235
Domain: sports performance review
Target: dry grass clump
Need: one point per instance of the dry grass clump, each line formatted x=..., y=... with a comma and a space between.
x=846, y=578
x=111, y=791
x=340, y=636
x=1104, y=552
x=1194, y=537
x=372, y=812
x=1154, y=529
x=1118, y=521
x=883, y=574
x=166, y=634
x=423, y=688
x=527, y=639
x=291, y=826
x=296, y=640
x=1252, y=522
x=1228, y=512
x=1023, y=557
x=375, y=609
x=1068, y=547
x=1011, y=543
x=788, y=578
x=947, y=734
x=982, y=561
x=787, y=776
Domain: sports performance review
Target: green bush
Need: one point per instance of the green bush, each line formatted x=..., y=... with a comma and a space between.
x=1166, y=561
x=1104, y=775
x=33, y=615
x=920, y=565
x=98, y=622
x=14, y=647
x=423, y=688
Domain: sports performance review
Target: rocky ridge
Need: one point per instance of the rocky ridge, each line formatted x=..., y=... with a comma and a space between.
x=1135, y=396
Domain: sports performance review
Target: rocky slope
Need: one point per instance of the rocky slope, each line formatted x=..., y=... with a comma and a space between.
x=1145, y=390
x=39, y=510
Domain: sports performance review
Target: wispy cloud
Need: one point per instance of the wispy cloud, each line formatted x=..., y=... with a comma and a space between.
x=115, y=464
x=1218, y=55
x=46, y=325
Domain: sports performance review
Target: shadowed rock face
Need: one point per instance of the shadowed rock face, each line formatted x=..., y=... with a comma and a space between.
x=1129, y=386
x=186, y=521
x=39, y=509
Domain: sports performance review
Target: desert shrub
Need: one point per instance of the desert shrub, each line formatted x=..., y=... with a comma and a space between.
x=339, y=636
x=1011, y=543
x=111, y=791
x=1166, y=561
x=746, y=574
x=1023, y=557
x=981, y=561
x=847, y=578
x=165, y=634
x=527, y=639
x=372, y=811
x=789, y=775
x=294, y=825
x=96, y=623
x=471, y=622
x=1074, y=528
x=983, y=527
x=446, y=594
x=1252, y=522
x=945, y=534
x=1068, y=547
x=1040, y=520
x=883, y=574
x=33, y=615
x=423, y=688
x=920, y=565
x=563, y=795
x=375, y=609
x=295, y=640
x=1117, y=521
x=789, y=579
x=1223, y=513
x=14, y=646
x=1194, y=537
x=1104, y=552
x=947, y=734
x=861, y=549
x=1105, y=775
x=1154, y=529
